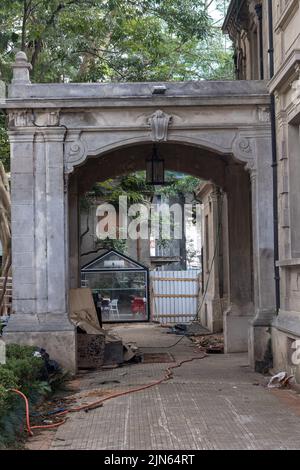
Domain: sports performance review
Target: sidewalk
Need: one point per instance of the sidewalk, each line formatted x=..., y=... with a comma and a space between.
x=214, y=403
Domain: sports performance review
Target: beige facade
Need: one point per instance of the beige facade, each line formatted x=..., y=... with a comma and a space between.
x=243, y=27
x=246, y=25
x=286, y=87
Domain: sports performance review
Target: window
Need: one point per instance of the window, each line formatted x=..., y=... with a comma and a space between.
x=294, y=179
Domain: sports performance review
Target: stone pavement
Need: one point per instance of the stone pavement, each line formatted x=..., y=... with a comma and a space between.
x=213, y=403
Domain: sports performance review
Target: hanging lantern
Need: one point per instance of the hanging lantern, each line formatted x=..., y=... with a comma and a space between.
x=155, y=168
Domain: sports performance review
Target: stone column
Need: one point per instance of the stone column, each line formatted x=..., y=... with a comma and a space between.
x=216, y=229
x=74, y=262
x=263, y=254
x=211, y=310
x=39, y=238
x=240, y=310
x=254, y=148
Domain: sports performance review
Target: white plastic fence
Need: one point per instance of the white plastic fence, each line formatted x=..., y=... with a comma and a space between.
x=174, y=295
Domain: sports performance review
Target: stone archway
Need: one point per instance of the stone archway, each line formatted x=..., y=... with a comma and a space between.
x=227, y=173
x=60, y=130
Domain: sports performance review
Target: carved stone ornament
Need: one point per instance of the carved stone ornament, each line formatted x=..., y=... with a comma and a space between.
x=75, y=153
x=21, y=118
x=159, y=123
x=214, y=195
x=263, y=114
x=53, y=118
x=47, y=118
x=244, y=151
x=296, y=92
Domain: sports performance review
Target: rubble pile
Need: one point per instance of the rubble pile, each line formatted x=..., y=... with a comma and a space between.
x=212, y=344
x=96, y=347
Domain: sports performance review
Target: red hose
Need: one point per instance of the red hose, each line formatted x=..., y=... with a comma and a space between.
x=168, y=375
x=49, y=426
x=26, y=409
x=29, y=427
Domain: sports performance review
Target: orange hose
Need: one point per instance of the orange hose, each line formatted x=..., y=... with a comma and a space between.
x=49, y=426
x=26, y=409
x=168, y=375
x=29, y=427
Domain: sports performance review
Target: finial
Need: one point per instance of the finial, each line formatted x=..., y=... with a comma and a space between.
x=21, y=68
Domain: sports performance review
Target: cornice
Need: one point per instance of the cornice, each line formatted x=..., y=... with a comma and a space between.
x=286, y=73
x=286, y=15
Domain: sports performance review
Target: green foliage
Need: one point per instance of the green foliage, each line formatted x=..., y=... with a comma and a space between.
x=112, y=244
x=96, y=40
x=26, y=373
x=179, y=184
x=17, y=351
x=7, y=380
x=133, y=186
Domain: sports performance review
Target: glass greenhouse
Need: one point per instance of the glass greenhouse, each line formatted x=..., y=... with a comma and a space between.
x=119, y=286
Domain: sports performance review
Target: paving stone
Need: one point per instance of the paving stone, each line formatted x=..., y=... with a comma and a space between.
x=209, y=404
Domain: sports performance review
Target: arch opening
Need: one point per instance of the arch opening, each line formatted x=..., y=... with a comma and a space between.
x=231, y=268
x=184, y=158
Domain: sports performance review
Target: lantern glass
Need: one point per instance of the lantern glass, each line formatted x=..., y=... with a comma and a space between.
x=155, y=169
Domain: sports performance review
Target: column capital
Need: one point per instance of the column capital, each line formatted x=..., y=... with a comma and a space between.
x=29, y=134
x=20, y=118
x=252, y=173
x=38, y=119
x=214, y=195
x=53, y=134
x=21, y=135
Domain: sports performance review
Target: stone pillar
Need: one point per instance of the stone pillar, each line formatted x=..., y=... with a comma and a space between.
x=211, y=310
x=240, y=310
x=39, y=238
x=74, y=252
x=263, y=255
x=216, y=227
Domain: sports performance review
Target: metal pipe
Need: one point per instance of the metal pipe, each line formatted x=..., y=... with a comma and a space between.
x=258, y=9
x=274, y=159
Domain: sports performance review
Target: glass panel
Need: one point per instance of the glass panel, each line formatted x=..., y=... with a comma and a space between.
x=122, y=295
x=112, y=261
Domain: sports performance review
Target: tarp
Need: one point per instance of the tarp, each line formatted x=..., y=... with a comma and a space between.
x=83, y=312
x=83, y=315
